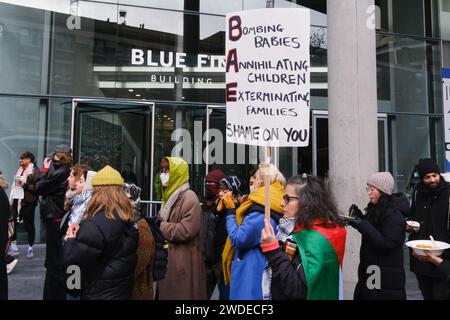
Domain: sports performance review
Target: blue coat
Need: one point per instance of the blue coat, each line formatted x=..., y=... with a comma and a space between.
x=248, y=264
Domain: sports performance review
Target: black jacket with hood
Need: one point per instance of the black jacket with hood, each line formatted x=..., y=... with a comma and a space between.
x=431, y=208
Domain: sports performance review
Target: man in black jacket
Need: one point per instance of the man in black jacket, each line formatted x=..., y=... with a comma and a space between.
x=52, y=186
x=431, y=208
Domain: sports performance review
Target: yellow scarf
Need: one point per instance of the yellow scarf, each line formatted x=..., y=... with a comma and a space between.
x=258, y=196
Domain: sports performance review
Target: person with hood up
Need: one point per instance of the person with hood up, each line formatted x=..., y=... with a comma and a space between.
x=243, y=262
x=229, y=187
x=210, y=220
x=181, y=223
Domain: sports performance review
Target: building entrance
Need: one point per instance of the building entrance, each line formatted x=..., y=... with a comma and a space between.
x=115, y=133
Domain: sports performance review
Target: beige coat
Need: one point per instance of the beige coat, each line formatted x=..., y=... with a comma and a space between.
x=186, y=276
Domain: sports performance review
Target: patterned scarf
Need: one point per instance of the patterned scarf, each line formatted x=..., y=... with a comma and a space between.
x=17, y=191
x=285, y=228
x=79, y=205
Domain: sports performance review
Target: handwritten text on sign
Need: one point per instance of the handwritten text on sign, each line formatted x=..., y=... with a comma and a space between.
x=268, y=77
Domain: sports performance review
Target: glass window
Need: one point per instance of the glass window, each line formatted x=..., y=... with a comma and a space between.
x=407, y=73
x=412, y=138
x=413, y=17
x=318, y=8
x=408, y=17
x=59, y=123
x=21, y=49
x=76, y=54
x=19, y=132
x=446, y=54
x=445, y=19
x=179, y=57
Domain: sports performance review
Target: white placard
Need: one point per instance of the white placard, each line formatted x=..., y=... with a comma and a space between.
x=446, y=98
x=268, y=77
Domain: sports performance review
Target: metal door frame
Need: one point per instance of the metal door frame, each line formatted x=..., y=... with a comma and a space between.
x=151, y=108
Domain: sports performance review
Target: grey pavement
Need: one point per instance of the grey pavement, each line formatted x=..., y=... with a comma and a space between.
x=26, y=281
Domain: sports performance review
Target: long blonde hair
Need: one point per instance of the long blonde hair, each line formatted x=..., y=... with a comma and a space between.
x=110, y=199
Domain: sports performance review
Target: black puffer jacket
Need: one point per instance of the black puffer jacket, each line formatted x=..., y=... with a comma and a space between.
x=52, y=186
x=430, y=207
x=105, y=251
x=382, y=242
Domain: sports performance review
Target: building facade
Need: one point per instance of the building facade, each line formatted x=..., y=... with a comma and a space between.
x=128, y=82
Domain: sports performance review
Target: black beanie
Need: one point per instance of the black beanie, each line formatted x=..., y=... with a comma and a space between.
x=427, y=166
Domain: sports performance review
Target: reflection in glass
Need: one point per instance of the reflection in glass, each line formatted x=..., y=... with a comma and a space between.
x=407, y=70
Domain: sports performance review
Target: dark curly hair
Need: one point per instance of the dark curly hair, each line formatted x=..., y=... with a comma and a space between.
x=316, y=202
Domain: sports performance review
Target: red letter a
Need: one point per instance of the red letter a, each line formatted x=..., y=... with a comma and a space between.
x=232, y=60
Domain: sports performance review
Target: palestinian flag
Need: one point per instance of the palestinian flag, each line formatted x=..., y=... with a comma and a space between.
x=322, y=252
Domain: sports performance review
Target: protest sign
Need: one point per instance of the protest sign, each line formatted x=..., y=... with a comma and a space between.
x=268, y=77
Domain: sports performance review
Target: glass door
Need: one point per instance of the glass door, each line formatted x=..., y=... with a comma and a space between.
x=178, y=132
x=320, y=151
x=115, y=133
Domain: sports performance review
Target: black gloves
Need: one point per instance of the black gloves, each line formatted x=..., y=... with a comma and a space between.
x=355, y=222
x=355, y=212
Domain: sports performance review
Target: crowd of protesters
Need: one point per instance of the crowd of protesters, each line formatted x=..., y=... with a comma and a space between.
x=94, y=226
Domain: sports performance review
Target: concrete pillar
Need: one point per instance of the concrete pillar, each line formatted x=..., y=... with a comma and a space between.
x=353, y=136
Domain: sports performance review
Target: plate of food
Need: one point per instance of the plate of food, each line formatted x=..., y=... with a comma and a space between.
x=435, y=247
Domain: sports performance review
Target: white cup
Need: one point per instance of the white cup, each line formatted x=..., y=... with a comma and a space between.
x=414, y=225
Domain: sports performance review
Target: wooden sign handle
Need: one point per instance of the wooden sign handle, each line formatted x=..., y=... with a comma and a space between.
x=267, y=179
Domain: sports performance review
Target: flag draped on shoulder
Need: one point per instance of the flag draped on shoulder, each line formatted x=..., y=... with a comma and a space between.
x=322, y=252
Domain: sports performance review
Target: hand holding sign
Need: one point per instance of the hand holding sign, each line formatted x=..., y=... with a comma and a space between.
x=267, y=234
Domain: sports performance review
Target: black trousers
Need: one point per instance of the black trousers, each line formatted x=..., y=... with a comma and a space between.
x=27, y=214
x=54, y=286
x=433, y=288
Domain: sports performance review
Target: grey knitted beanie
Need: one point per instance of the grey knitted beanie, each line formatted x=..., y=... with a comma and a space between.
x=383, y=181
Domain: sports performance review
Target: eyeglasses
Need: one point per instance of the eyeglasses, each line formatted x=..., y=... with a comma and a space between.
x=370, y=189
x=287, y=198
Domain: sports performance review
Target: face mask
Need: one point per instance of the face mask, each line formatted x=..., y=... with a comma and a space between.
x=164, y=179
x=211, y=191
x=253, y=188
